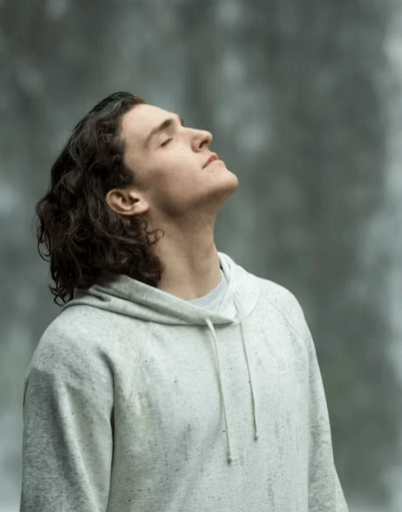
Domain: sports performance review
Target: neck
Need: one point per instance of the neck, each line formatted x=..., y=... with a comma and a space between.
x=191, y=269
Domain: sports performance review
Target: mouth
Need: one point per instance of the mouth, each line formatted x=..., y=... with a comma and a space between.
x=211, y=159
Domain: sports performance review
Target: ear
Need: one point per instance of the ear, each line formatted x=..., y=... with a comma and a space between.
x=126, y=202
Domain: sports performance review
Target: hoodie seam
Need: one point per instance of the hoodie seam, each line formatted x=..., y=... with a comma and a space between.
x=294, y=300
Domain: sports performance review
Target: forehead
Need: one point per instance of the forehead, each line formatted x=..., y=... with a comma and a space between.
x=139, y=121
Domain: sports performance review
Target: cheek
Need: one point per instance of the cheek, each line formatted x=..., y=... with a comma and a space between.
x=176, y=177
x=176, y=186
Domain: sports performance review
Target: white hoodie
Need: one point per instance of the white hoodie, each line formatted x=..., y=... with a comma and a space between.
x=138, y=401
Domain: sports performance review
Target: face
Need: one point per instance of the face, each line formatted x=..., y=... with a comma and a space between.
x=171, y=165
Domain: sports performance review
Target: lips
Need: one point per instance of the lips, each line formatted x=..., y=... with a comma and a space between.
x=211, y=159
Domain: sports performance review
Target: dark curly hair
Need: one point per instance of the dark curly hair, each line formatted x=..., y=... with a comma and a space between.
x=87, y=240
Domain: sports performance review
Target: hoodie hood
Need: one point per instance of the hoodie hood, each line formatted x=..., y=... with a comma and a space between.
x=126, y=296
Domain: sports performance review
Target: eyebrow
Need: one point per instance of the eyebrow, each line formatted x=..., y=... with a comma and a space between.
x=160, y=128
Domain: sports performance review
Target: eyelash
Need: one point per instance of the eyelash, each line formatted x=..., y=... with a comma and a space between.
x=166, y=141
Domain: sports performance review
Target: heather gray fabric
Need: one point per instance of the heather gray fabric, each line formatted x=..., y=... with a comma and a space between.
x=138, y=401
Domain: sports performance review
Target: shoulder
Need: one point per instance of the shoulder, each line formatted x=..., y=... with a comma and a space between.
x=285, y=302
x=87, y=340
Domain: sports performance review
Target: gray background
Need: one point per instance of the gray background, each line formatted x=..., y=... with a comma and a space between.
x=304, y=101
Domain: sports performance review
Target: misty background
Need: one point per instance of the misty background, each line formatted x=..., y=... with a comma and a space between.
x=304, y=102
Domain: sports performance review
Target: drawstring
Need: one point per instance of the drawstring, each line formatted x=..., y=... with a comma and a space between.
x=244, y=335
x=230, y=458
x=243, y=327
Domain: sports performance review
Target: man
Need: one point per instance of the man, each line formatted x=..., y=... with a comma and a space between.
x=188, y=385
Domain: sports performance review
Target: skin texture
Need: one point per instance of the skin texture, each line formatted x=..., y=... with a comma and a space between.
x=180, y=197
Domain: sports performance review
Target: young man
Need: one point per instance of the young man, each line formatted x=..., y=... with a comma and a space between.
x=173, y=380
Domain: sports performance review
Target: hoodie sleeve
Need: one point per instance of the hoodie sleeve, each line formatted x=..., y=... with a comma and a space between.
x=325, y=492
x=67, y=437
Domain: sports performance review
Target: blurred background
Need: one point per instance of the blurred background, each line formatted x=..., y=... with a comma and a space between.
x=304, y=101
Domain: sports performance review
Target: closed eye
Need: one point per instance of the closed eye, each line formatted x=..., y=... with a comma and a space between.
x=166, y=142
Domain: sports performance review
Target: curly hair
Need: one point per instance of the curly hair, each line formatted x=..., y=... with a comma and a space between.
x=85, y=239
